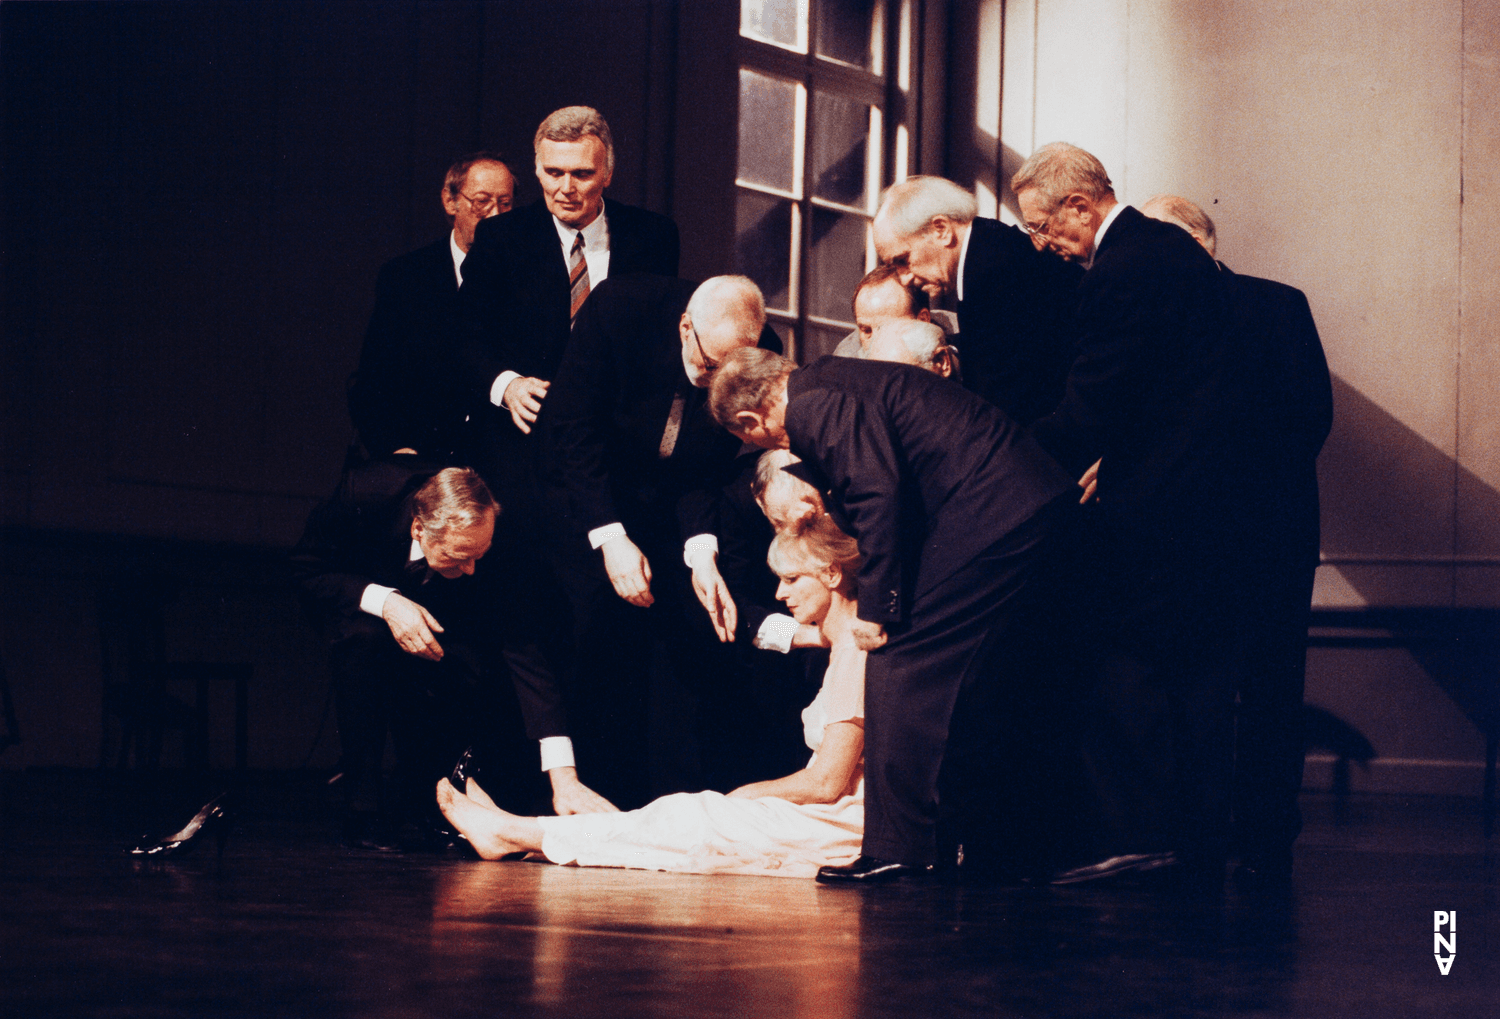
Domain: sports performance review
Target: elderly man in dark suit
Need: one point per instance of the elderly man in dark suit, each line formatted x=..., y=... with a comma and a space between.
x=403, y=396
x=1160, y=391
x=390, y=570
x=634, y=462
x=1291, y=418
x=1014, y=304
x=955, y=511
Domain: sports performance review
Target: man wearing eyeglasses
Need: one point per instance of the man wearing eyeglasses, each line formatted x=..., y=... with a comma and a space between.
x=1013, y=301
x=401, y=397
x=628, y=447
x=1160, y=395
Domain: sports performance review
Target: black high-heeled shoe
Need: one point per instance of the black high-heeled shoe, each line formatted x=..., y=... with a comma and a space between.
x=464, y=770
x=211, y=818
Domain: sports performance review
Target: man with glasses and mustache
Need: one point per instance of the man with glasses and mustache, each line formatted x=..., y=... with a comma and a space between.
x=402, y=396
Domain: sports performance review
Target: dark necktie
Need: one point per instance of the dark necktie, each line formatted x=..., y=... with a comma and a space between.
x=578, y=277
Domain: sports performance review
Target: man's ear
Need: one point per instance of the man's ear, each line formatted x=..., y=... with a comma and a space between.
x=747, y=421
x=1082, y=205
x=450, y=204
x=943, y=230
x=416, y=529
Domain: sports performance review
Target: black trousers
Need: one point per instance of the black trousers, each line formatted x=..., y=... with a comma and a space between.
x=941, y=687
x=431, y=711
x=656, y=703
x=1269, y=740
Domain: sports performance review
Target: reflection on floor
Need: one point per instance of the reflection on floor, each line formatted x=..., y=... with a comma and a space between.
x=287, y=923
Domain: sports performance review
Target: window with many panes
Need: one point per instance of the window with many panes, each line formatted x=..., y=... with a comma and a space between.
x=816, y=144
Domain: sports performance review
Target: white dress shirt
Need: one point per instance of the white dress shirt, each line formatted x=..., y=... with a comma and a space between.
x=595, y=253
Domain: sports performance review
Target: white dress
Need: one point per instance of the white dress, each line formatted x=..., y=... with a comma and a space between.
x=709, y=833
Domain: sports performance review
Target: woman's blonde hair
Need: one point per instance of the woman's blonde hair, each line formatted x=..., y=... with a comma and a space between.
x=813, y=550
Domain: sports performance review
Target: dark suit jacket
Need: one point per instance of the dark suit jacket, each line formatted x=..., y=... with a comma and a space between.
x=1015, y=328
x=516, y=296
x=362, y=536
x=1161, y=391
x=402, y=394
x=1291, y=417
x=926, y=474
x=603, y=419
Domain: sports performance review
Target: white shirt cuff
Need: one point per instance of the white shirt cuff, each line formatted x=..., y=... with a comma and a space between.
x=497, y=388
x=373, y=599
x=776, y=633
x=697, y=545
x=599, y=535
x=557, y=752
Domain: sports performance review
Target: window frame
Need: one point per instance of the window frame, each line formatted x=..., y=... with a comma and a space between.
x=891, y=94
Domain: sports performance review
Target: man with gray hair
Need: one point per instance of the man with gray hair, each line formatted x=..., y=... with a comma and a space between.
x=1172, y=209
x=1292, y=416
x=1159, y=395
x=526, y=276
x=634, y=463
x=421, y=633
x=957, y=512
x=1013, y=303
x=907, y=341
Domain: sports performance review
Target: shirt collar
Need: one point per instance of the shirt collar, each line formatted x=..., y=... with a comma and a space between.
x=416, y=551
x=1103, y=227
x=595, y=235
x=963, y=256
x=458, y=256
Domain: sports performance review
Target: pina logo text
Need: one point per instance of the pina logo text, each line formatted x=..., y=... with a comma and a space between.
x=1441, y=943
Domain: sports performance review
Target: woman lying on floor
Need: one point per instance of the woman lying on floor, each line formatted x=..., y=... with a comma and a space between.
x=785, y=827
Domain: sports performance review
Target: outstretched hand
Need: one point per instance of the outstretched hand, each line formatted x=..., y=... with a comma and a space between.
x=570, y=796
x=628, y=571
x=713, y=594
x=412, y=626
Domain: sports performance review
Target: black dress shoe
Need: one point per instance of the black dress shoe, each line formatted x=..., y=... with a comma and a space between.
x=211, y=818
x=1115, y=867
x=868, y=870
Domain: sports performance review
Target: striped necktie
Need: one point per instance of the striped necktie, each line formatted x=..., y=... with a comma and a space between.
x=578, y=277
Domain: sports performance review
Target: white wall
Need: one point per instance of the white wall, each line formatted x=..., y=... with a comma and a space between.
x=1349, y=149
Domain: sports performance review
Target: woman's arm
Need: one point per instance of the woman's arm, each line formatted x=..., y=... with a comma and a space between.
x=826, y=778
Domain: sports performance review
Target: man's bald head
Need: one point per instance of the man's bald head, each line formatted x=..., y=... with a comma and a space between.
x=1183, y=213
x=909, y=341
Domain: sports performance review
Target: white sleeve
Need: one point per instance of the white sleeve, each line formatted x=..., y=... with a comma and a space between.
x=776, y=633
x=498, y=387
x=599, y=535
x=697, y=545
x=557, y=752
x=373, y=599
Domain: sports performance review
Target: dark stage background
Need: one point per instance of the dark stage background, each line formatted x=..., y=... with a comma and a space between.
x=197, y=198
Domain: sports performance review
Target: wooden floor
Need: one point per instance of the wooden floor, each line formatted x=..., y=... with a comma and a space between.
x=287, y=923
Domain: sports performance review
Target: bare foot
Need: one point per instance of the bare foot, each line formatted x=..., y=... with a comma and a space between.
x=478, y=795
x=486, y=828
